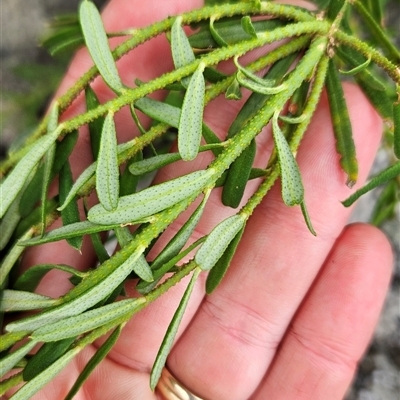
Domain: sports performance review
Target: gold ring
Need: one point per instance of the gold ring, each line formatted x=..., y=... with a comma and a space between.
x=171, y=389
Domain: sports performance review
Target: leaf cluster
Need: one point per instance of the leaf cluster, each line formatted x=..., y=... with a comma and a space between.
x=285, y=85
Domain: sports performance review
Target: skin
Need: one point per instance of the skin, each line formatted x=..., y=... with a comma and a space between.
x=294, y=314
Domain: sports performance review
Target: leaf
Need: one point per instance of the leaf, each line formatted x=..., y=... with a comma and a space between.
x=31, y=194
x=128, y=184
x=159, y=111
x=169, y=337
x=69, y=231
x=341, y=125
x=396, y=128
x=17, y=300
x=107, y=169
x=34, y=385
x=44, y=357
x=87, y=321
x=216, y=36
x=307, y=218
x=29, y=280
x=10, y=360
x=191, y=118
x=151, y=200
x=9, y=222
x=182, y=52
x=96, y=126
x=69, y=214
x=357, y=69
x=82, y=302
x=217, y=241
x=97, y=44
x=292, y=185
x=15, y=181
x=217, y=272
x=100, y=354
x=238, y=175
x=233, y=92
x=142, y=269
x=248, y=26
x=383, y=177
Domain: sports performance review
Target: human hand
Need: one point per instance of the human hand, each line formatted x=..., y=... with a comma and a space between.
x=294, y=312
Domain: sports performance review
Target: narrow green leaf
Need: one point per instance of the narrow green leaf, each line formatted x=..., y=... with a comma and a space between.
x=238, y=175
x=17, y=300
x=385, y=205
x=9, y=222
x=292, y=185
x=293, y=120
x=383, y=177
x=341, y=125
x=396, y=128
x=216, y=36
x=128, y=182
x=44, y=357
x=231, y=31
x=191, y=118
x=151, y=200
x=29, y=280
x=182, y=52
x=100, y=354
x=142, y=269
x=217, y=241
x=10, y=360
x=69, y=214
x=96, y=126
x=357, y=69
x=11, y=382
x=34, y=385
x=85, y=322
x=97, y=44
x=217, y=272
x=11, y=258
x=82, y=302
x=307, y=218
x=69, y=231
x=107, y=170
x=9, y=339
x=248, y=26
x=253, y=77
x=15, y=181
x=31, y=194
x=169, y=337
x=99, y=248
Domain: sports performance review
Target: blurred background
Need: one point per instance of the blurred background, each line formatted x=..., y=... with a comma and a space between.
x=28, y=77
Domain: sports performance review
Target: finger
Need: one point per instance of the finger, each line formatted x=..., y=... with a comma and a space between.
x=242, y=323
x=333, y=326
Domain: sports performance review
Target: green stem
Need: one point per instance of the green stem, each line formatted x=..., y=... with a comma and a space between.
x=377, y=32
x=369, y=52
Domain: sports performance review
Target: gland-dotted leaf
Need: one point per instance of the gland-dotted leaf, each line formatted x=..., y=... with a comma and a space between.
x=217, y=242
x=107, y=170
x=182, y=52
x=233, y=91
x=159, y=111
x=396, y=129
x=100, y=354
x=191, y=118
x=238, y=175
x=96, y=126
x=69, y=231
x=44, y=357
x=15, y=181
x=169, y=337
x=292, y=185
x=214, y=33
x=85, y=322
x=29, y=280
x=81, y=303
x=151, y=200
x=17, y=300
x=9, y=222
x=383, y=177
x=307, y=218
x=10, y=360
x=217, y=272
x=257, y=87
x=97, y=44
x=341, y=125
x=142, y=269
x=34, y=385
x=69, y=214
